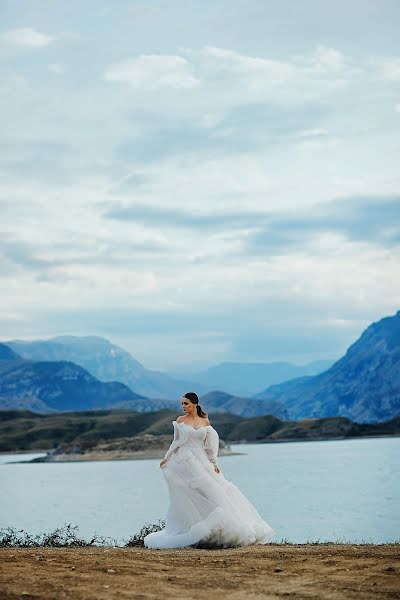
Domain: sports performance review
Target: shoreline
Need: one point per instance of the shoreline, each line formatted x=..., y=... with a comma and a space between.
x=148, y=455
x=330, y=439
x=101, y=456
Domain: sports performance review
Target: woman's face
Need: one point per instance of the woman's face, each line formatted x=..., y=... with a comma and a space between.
x=188, y=407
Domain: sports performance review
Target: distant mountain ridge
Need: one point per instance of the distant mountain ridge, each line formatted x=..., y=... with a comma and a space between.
x=364, y=385
x=106, y=362
x=52, y=386
x=219, y=402
x=246, y=379
x=6, y=353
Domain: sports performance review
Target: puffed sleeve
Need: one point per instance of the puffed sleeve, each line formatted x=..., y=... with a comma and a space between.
x=179, y=438
x=211, y=444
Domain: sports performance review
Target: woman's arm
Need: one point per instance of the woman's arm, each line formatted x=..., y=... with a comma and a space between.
x=211, y=446
x=176, y=442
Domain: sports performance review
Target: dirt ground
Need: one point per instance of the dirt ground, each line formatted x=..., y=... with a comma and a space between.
x=271, y=571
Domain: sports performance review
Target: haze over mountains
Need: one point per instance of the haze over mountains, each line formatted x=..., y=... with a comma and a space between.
x=246, y=379
x=108, y=362
x=220, y=402
x=71, y=373
x=364, y=385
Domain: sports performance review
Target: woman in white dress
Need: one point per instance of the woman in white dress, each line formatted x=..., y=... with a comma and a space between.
x=205, y=509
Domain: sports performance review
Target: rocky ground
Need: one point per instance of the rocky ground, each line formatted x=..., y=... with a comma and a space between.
x=331, y=571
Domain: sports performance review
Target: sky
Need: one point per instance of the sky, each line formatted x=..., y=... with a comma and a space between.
x=200, y=181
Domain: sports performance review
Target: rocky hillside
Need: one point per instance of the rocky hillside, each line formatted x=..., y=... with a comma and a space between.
x=364, y=385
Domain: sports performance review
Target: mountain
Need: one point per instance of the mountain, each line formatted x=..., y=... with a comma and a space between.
x=106, y=362
x=218, y=402
x=6, y=353
x=246, y=379
x=364, y=385
x=25, y=430
x=45, y=386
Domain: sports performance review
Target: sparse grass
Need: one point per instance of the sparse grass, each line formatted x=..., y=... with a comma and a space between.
x=62, y=537
x=67, y=537
x=137, y=539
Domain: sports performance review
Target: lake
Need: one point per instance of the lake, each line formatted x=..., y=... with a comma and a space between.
x=344, y=490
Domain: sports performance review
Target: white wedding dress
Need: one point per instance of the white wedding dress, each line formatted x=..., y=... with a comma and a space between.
x=205, y=510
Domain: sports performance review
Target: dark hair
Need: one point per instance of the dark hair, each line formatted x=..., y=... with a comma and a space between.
x=194, y=399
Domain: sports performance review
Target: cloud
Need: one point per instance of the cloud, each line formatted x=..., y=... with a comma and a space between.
x=219, y=183
x=389, y=67
x=367, y=219
x=326, y=60
x=312, y=133
x=164, y=217
x=56, y=68
x=26, y=36
x=233, y=77
x=259, y=72
x=219, y=63
x=351, y=220
x=153, y=72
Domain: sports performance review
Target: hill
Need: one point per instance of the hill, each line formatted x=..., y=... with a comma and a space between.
x=364, y=385
x=26, y=430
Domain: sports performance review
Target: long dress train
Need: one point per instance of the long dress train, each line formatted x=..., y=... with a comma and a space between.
x=205, y=509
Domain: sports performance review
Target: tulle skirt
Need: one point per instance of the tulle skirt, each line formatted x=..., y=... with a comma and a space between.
x=205, y=509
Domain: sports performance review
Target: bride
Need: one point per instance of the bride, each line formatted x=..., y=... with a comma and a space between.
x=205, y=509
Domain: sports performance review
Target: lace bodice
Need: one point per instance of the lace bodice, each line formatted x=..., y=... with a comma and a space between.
x=205, y=438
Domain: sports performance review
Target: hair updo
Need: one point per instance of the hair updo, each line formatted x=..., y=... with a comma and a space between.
x=194, y=399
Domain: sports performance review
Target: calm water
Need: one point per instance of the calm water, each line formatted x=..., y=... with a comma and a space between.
x=337, y=490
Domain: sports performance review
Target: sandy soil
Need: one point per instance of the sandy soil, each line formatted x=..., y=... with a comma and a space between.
x=272, y=571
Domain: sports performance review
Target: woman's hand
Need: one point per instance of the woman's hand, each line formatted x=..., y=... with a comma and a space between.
x=162, y=463
x=217, y=469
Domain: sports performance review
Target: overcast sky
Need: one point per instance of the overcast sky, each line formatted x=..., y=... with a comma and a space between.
x=200, y=181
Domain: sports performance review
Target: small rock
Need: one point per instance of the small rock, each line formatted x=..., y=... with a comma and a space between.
x=106, y=586
x=110, y=571
x=278, y=570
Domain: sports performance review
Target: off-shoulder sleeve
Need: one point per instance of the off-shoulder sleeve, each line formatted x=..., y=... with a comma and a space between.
x=211, y=444
x=179, y=438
